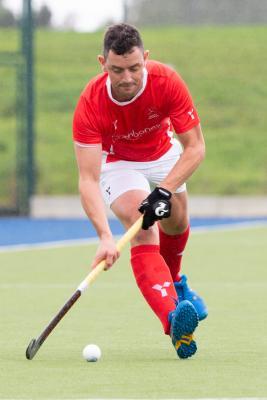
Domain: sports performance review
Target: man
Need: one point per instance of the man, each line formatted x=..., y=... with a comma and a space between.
x=122, y=131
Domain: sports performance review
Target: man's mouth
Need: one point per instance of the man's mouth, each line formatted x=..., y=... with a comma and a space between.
x=127, y=86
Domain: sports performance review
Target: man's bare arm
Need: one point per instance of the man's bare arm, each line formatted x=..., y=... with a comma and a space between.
x=89, y=164
x=193, y=154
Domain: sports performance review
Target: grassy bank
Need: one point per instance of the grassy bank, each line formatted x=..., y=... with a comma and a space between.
x=224, y=67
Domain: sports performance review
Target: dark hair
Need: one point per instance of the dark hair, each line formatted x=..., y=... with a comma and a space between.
x=121, y=38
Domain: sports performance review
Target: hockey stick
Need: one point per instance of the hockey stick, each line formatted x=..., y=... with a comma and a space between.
x=35, y=344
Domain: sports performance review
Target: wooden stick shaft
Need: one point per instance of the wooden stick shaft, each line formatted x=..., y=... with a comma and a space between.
x=126, y=238
x=35, y=344
x=57, y=318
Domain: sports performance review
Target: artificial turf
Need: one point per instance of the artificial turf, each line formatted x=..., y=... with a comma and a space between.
x=228, y=268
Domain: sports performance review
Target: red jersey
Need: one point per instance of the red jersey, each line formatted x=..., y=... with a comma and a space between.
x=139, y=129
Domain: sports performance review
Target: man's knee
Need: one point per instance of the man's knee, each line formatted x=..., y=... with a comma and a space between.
x=178, y=222
x=126, y=209
x=174, y=226
x=150, y=236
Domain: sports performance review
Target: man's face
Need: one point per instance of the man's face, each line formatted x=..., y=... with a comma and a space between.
x=125, y=72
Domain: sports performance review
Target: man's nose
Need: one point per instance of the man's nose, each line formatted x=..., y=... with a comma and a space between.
x=127, y=75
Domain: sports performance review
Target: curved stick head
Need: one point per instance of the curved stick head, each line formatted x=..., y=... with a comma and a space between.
x=32, y=349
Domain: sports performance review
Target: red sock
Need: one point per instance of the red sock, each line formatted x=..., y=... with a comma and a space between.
x=154, y=280
x=171, y=249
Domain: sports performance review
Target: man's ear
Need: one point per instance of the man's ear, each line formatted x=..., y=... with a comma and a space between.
x=102, y=62
x=146, y=55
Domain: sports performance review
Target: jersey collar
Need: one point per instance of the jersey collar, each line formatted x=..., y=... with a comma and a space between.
x=124, y=103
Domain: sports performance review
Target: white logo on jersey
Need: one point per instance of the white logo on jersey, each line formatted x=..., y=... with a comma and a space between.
x=115, y=124
x=135, y=135
x=191, y=113
x=161, y=288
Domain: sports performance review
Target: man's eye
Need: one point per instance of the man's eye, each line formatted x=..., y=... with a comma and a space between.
x=117, y=71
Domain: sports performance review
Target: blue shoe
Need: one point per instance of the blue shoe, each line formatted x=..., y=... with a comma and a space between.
x=184, y=320
x=185, y=293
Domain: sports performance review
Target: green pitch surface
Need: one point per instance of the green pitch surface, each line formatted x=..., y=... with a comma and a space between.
x=138, y=361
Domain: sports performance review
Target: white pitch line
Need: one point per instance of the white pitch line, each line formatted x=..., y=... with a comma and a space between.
x=36, y=286
x=130, y=398
x=85, y=242
x=230, y=227
x=47, y=245
x=45, y=286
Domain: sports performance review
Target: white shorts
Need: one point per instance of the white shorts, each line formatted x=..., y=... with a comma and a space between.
x=121, y=176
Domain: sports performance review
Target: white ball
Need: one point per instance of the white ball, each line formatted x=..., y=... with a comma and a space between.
x=91, y=353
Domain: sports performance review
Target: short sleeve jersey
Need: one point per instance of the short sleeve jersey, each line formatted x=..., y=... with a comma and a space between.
x=139, y=129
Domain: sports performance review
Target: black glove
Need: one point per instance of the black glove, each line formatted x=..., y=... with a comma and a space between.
x=155, y=207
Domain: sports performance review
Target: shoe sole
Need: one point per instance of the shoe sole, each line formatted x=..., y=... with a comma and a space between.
x=184, y=323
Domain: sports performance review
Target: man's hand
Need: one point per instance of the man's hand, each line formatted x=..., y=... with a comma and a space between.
x=155, y=207
x=106, y=251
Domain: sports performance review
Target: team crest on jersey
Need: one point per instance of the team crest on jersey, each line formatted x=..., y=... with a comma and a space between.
x=152, y=113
